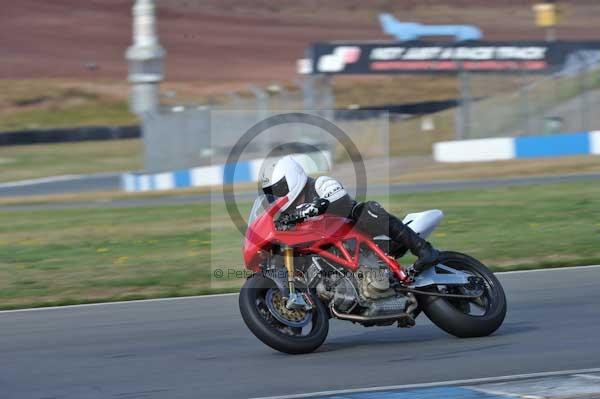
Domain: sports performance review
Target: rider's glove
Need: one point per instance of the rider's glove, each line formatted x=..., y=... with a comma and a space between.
x=310, y=209
x=303, y=212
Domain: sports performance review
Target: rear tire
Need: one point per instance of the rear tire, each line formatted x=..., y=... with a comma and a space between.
x=252, y=291
x=449, y=314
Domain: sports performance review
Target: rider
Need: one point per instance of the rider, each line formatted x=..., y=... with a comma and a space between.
x=312, y=197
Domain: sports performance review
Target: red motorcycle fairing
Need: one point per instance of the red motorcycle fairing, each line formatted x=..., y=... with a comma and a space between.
x=314, y=236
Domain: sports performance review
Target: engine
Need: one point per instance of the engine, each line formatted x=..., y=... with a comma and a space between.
x=373, y=279
x=367, y=292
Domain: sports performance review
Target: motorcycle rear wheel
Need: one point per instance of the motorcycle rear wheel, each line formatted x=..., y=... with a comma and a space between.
x=454, y=315
x=271, y=331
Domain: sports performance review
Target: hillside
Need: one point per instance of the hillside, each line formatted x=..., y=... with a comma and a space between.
x=234, y=40
x=63, y=60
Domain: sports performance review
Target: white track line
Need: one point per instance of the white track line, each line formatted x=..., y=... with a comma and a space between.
x=52, y=179
x=437, y=384
x=588, y=377
x=502, y=394
x=183, y=298
x=87, y=305
x=33, y=182
x=550, y=269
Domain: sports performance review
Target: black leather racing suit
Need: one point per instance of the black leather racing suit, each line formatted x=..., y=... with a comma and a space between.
x=326, y=194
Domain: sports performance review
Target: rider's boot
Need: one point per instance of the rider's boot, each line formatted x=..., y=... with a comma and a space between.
x=427, y=255
x=372, y=218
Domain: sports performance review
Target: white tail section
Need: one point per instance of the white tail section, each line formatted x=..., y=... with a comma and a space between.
x=423, y=223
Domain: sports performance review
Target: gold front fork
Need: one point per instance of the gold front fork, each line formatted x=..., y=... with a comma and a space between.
x=295, y=300
x=288, y=260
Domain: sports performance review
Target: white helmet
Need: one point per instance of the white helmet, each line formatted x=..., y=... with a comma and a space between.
x=283, y=177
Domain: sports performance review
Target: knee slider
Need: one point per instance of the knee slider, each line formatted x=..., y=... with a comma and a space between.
x=373, y=210
x=368, y=209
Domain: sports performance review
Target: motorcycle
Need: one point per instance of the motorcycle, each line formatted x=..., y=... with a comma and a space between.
x=322, y=268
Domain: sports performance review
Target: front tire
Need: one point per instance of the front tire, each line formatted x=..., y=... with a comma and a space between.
x=271, y=330
x=454, y=315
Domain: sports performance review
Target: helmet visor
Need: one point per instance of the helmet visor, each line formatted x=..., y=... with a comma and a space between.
x=277, y=190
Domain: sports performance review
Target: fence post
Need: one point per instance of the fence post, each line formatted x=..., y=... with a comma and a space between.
x=262, y=99
x=584, y=93
x=328, y=97
x=286, y=98
x=262, y=109
x=463, y=117
x=236, y=100
x=524, y=94
x=308, y=91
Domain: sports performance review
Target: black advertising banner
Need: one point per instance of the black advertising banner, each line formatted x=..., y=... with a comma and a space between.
x=419, y=57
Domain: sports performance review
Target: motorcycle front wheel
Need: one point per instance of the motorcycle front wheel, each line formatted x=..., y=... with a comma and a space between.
x=465, y=318
x=289, y=331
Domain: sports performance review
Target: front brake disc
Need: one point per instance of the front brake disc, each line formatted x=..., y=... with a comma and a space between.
x=290, y=317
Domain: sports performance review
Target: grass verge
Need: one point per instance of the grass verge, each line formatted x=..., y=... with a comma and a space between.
x=68, y=256
x=46, y=103
x=34, y=161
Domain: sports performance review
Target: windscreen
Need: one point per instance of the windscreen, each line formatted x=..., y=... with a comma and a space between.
x=260, y=206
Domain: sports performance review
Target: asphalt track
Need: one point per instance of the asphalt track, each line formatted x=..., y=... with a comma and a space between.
x=108, y=182
x=199, y=347
x=61, y=185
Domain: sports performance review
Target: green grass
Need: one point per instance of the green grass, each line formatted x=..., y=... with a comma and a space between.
x=104, y=113
x=33, y=161
x=50, y=103
x=50, y=257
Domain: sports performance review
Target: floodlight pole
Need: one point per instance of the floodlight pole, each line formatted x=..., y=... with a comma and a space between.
x=145, y=57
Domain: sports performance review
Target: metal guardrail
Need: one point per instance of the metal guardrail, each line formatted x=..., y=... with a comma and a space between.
x=64, y=135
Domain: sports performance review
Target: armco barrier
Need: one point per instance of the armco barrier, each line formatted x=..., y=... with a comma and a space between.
x=505, y=148
x=65, y=135
x=215, y=175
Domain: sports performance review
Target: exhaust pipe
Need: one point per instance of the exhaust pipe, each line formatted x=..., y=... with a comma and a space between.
x=354, y=317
